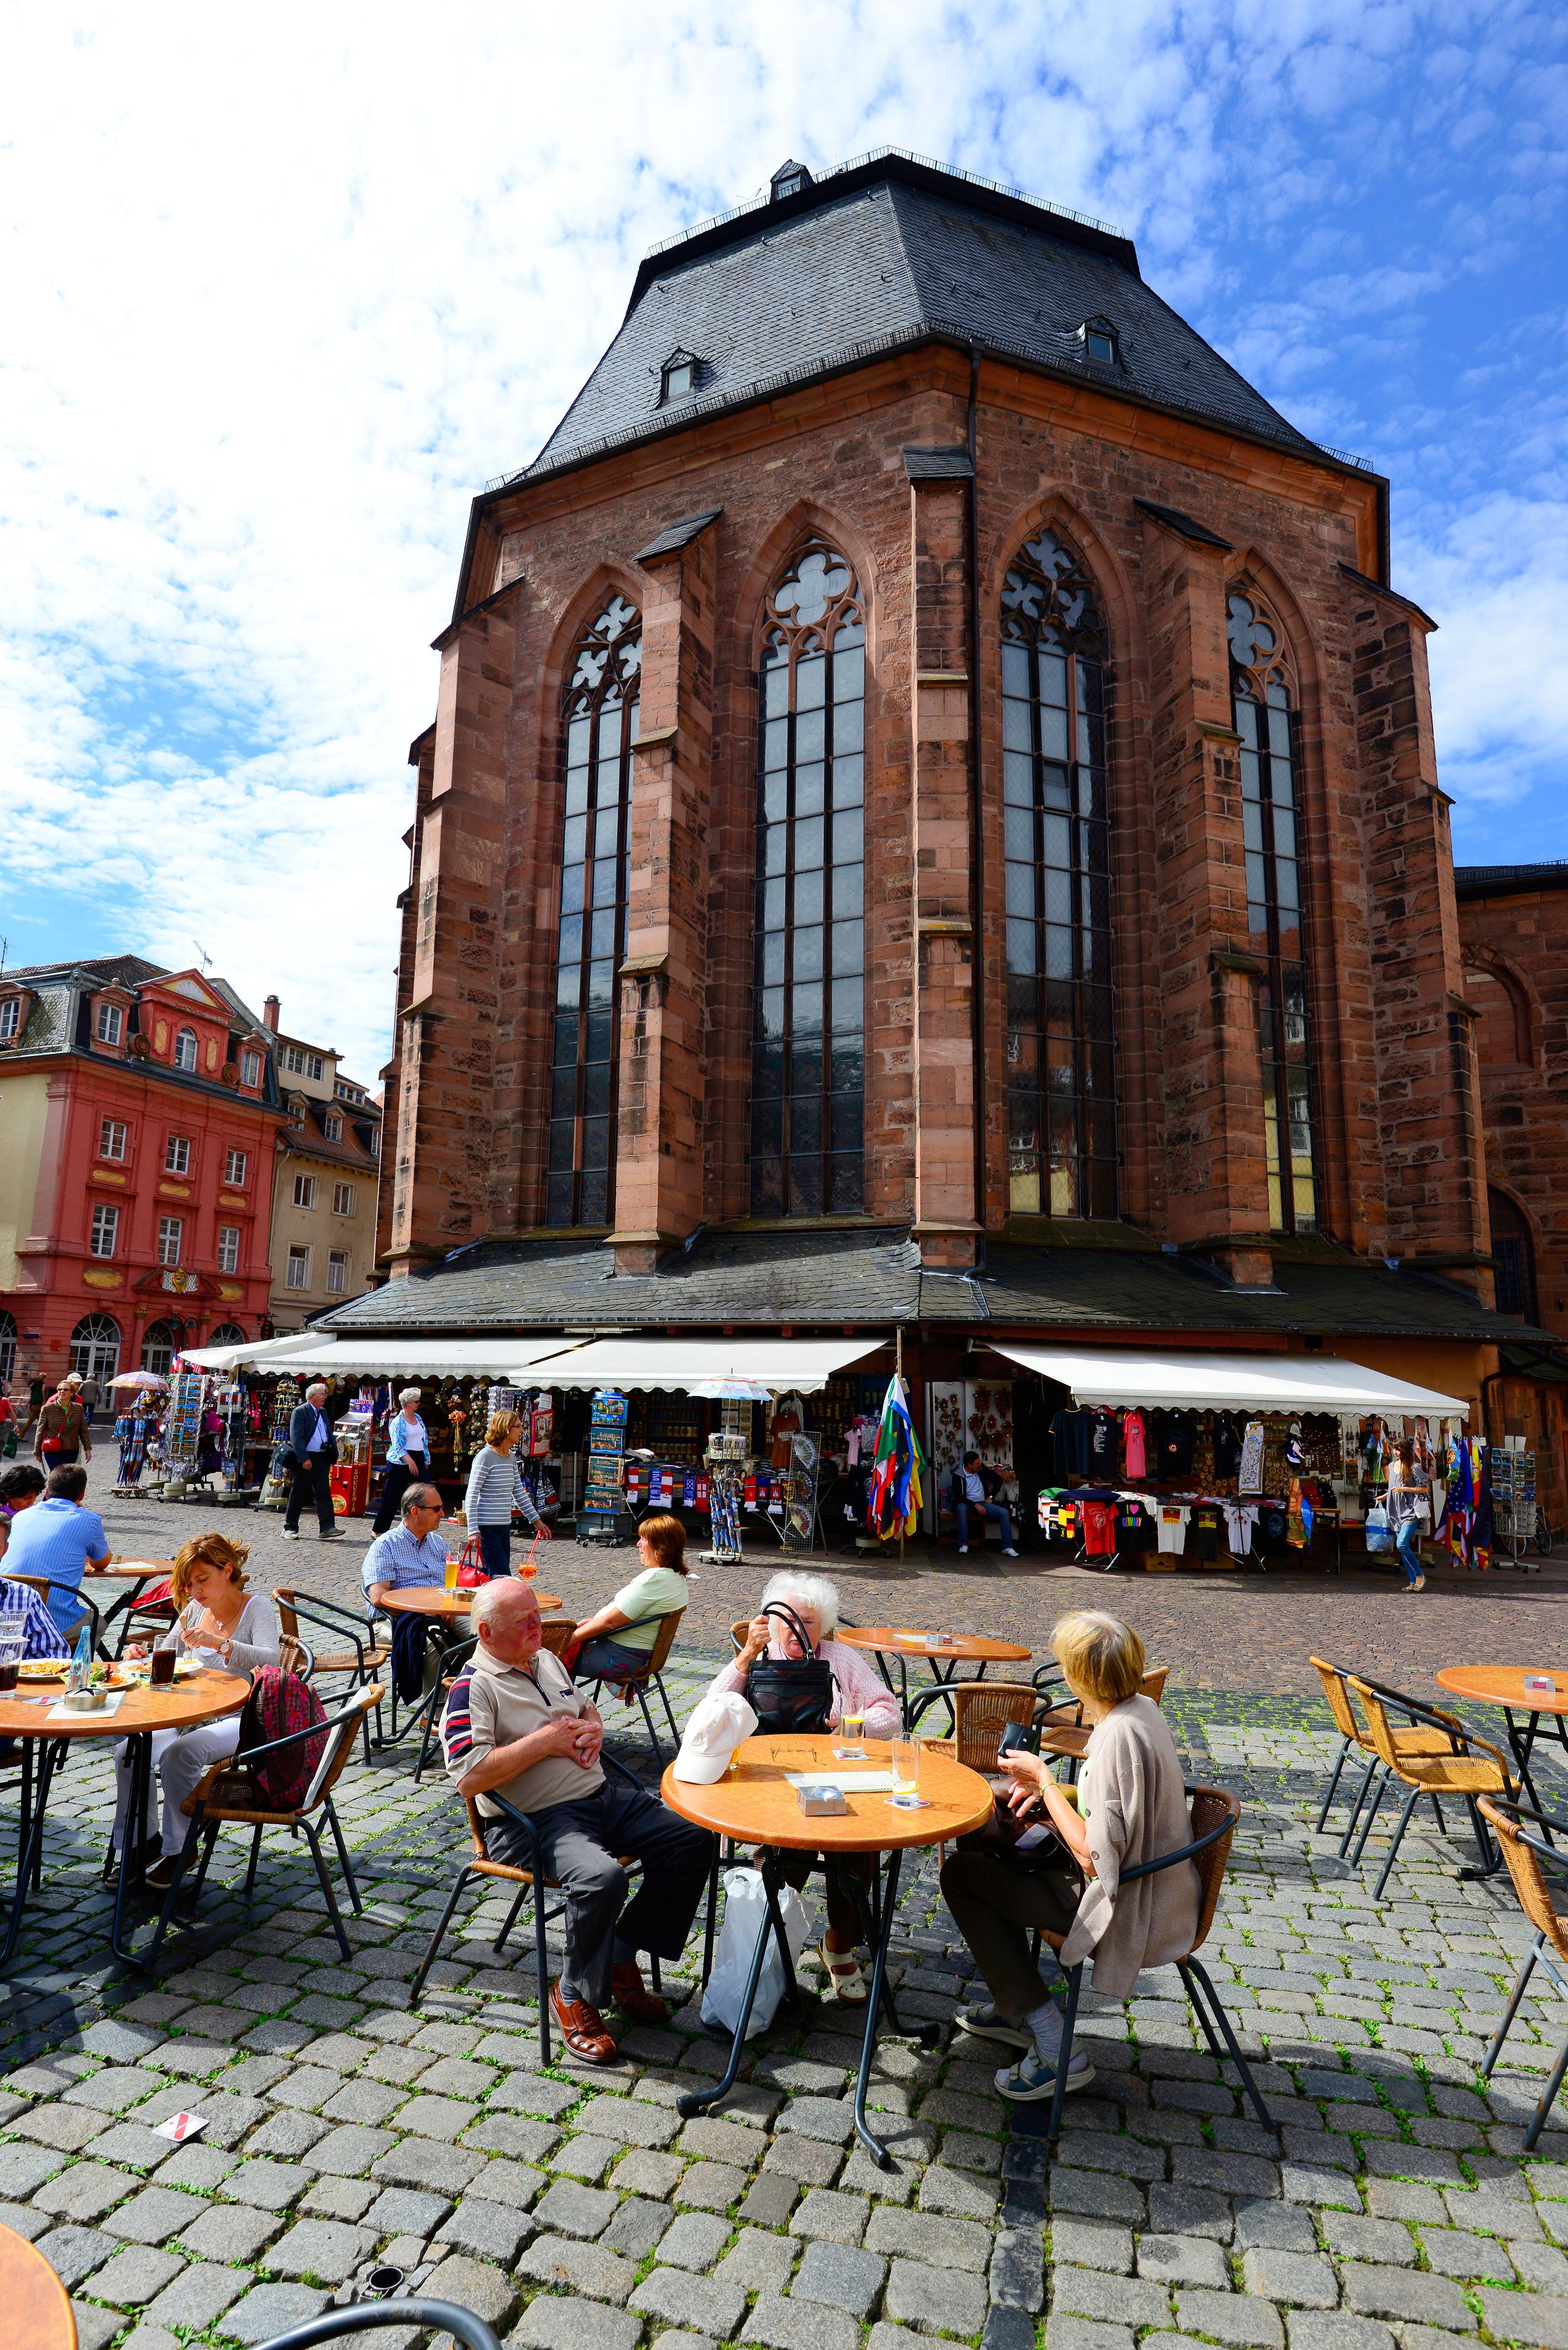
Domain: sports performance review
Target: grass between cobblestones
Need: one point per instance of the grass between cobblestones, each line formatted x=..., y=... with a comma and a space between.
x=1389, y=2203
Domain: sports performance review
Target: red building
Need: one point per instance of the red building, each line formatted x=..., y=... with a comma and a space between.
x=137, y=1121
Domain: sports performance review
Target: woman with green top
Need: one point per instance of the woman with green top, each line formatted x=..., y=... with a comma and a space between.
x=495, y=1486
x=617, y=1641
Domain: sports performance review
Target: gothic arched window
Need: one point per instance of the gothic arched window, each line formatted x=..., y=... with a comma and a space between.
x=1061, y=1055
x=600, y=721
x=1513, y=1255
x=1261, y=699
x=808, y=1032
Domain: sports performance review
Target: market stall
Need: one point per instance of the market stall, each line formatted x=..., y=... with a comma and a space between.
x=1220, y=1460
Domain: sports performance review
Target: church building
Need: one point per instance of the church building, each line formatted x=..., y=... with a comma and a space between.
x=931, y=819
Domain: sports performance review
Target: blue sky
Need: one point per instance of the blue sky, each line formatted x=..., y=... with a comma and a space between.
x=280, y=297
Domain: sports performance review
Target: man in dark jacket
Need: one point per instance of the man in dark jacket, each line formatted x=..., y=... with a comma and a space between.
x=311, y=1442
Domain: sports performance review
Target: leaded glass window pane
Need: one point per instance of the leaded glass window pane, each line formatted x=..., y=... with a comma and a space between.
x=808, y=1060
x=1260, y=690
x=601, y=714
x=1061, y=1094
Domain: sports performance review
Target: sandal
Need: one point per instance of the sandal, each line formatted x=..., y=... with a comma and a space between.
x=845, y=1980
x=583, y=2029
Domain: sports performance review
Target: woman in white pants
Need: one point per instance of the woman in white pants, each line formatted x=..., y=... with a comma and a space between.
x=223, y=1629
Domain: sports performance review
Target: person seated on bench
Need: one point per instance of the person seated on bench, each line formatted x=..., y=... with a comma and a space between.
x=618, y=1641
x=976, y=1488
x=516, y=1724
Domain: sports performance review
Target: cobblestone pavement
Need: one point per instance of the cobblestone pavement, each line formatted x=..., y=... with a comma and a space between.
x=1388, y=2203
x=1215, y=1630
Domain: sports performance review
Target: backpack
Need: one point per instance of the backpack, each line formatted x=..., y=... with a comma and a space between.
x=280, y=1704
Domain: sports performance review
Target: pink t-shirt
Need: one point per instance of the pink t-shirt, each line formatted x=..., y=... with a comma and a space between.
x=1133, y=1438
x=856, y=1677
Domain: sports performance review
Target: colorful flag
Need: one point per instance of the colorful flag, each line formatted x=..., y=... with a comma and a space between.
x=896, y=1492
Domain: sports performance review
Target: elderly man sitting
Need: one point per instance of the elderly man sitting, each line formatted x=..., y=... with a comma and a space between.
x=408, y=1556
x=515, y=1725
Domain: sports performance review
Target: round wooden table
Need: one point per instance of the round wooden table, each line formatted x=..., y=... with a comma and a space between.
x=136, y=1572
x=434, y=1599
x=1503, y=1685
x=754, y=1803
x=961, y=1648
x=41, y=2315
x=26, y=1712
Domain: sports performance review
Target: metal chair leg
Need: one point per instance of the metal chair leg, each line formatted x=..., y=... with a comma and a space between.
x=1543, y=2104
x=1339, y=1761
x=641, y=1689
x=511, y=1916
x=1525, y=1971
x=712, y=1916
x=1193, y=1967
x=1410, y=1802
x=1372, y=1809
x=1490, y=1860
x=431, y=1956
x=669, y=1711
x=314, y=1841
x=1442, y=1824
x=1064, y=2054
x=1372, y=1767
x=255, y=1855
x=349, y=1880
x=542, y=1966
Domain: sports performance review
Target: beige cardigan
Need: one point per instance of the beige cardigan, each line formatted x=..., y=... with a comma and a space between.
x=1135, y=1809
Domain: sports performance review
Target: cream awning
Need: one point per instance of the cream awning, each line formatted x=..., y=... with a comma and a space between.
x=510, y=1360
x=1240, y=1381
x=780, y=1365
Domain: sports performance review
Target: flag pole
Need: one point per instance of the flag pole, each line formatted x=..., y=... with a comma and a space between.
x=899, y=1375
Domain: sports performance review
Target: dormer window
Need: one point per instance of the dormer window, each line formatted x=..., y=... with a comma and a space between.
x=110, y=1024
x=789, y=180
x=185, y=1049
x=1100, y=342
x=678, y=377
x=333, y=1128
x=10, y=1018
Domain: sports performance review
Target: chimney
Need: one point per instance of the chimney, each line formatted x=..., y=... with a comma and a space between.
x=269, y=1013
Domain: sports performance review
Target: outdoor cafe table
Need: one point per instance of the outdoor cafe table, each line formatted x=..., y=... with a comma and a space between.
x=38, y=2314
x=25, y=1712
x=434, y=1599
x=1503, y=1685
x=754, y=1803
x=961, y=1648
x=133, y=1572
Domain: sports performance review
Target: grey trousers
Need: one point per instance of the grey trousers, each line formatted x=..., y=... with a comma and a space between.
x=997, y=1902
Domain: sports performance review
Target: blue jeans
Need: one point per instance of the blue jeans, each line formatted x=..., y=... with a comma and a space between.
x=987, y=1509
x=1407, y=1542
x=495, y=1549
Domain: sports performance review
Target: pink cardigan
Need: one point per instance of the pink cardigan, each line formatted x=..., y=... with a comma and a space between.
x=853, y=1677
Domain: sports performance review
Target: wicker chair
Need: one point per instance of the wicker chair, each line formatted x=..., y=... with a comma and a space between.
x=528, y=1880
x=1524, y=1850
x=1215, y=1812
x=981, y=1711
x=43, y=1584
x=294, y=1657
x=1336, y=1680
x=632, y=1683
x=230, y=1791
x=418, y=2315
x=357, y=1652
x=1469, y=1766
x=557, y=1633
x=1062, y=1729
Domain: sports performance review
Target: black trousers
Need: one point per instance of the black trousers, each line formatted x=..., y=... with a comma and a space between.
x=312, y=1478
x=414, y=1469
x=583, y=1844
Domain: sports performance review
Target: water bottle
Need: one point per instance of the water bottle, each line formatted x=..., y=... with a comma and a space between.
x=80, y=1674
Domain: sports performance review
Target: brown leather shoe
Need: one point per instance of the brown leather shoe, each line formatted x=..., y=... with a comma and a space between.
x=629, y=1993
x=583, y=2028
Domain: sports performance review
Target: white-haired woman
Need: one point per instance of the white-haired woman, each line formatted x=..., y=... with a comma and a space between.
x=408, y=1457
x=856, y=1689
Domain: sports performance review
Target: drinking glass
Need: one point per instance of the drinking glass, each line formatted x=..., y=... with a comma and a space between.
x=13, y=1642
x=905, y=1769
x=851, y=1722
x=451, y=1568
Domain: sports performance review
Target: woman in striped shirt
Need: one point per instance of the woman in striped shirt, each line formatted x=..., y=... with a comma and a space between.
x=494, y=1488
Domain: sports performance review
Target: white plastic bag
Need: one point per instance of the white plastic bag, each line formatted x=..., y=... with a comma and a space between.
x=1379, y=1533
x=745, y=1914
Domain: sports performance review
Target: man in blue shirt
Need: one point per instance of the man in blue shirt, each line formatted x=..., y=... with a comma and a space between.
x=56, y=1537
x=409, y=1555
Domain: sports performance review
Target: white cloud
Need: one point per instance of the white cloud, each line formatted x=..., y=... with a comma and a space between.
x=282, y=291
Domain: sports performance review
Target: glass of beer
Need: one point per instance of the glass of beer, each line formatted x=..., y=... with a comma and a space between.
x=451, y=1568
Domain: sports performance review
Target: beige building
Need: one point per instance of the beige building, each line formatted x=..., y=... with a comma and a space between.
x=324, y=1182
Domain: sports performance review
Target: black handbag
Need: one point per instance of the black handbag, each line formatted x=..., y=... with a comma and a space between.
x=791, y=1693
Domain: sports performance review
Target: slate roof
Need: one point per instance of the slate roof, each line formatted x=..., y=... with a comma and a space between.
x=1509, y=880
x=880, y=255
x=830, y=1279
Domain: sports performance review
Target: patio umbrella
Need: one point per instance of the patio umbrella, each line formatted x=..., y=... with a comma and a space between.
x=732, y=1391
x=139, y=1380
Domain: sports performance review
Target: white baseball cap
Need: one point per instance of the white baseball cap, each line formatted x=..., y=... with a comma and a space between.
x=716, y=1727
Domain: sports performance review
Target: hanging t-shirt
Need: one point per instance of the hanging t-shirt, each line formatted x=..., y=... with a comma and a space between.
x=1176, y=1433
x=1227, y=1445
x=1250, y=1479
x=1099, y=1528
x=1172, y=1527
x=1240, y=1517
x=1271, y=1525
x=1103, y=1445
x=1134, y=1435
x=1070, y=1435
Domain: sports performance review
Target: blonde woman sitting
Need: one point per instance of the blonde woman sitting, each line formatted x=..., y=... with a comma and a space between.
x=1134, y=1809
x=220, y=1628
x=856, y=1689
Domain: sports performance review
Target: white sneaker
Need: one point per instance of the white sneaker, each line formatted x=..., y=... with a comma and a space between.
x=1008, y=1553
x=963, y=1550
x=291, y=1534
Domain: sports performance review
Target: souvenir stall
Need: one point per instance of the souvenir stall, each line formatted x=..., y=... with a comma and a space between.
x=1226, y=1460
x=968, y=1416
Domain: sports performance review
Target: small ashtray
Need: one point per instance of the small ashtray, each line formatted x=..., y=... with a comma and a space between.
x=821, y=1802
x=86, y=1700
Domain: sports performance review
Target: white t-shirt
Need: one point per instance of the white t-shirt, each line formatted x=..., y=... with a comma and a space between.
x=1173, y=1527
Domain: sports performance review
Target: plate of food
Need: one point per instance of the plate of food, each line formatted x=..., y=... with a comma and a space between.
x=43, y=1669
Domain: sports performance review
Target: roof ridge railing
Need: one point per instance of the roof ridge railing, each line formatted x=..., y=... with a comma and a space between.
x=898, y=337
x=760, y=201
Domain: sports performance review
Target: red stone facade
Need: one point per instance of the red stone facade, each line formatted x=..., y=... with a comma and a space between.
x=1399, y=1160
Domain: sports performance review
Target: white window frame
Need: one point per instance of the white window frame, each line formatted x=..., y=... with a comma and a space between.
x=177, y=1155
x=105, y=1228
x=236, y=1166
x=305, y=1191
x=250, y=1066
x=10, y=1018
x=170, y=1233
x=343, y=1199
x=110, y=1024
x=113, y=1134
x=228, y=1248
x=333, y=1129
x=298, y=1261
x=337, y=1271
x=194, y=1063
